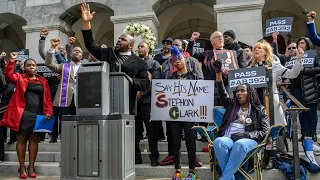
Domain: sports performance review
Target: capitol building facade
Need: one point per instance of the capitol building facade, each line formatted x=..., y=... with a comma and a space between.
x=22, y=20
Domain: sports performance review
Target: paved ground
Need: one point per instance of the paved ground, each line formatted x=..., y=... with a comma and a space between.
x=16, y=177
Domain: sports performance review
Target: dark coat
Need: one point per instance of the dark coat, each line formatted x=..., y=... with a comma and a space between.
x=134, y=67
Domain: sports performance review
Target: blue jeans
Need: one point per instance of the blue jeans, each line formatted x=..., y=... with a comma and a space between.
x=231, y=154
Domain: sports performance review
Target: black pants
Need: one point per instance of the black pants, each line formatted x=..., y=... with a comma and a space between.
x=1, y=143
x=190, y=142
x=57, y=125
x=143, y=115
x=169, y=138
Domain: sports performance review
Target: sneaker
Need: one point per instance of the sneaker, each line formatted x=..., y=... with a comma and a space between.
x=169, y=160
x=191, y=176
x=198, y=163
x=177, y=176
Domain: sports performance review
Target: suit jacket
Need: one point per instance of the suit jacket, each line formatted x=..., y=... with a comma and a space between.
x=134, y=66
x=66, y=88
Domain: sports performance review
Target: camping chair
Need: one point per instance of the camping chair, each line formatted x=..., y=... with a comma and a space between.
x=257, y=153
x=211, y=132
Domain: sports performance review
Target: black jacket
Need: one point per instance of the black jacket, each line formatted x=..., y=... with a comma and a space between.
x=134, y=67
x=189, y=75
x=310, y=78
x=155, y=71
x=161, y=58
x=259, y=126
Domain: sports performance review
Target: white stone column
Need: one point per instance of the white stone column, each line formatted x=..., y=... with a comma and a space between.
x=244, y=18
x=148, y=18
x=56, y=30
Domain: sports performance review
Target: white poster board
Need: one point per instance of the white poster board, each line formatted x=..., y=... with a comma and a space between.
x=182, y=100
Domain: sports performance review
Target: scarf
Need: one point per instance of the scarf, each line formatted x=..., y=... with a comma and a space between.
x=64, y=84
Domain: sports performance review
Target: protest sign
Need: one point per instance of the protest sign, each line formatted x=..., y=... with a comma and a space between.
x=23, y=54
x=51, y=76
x=283, y=25
x=255, y=76
x=307, y=59
x=199, y=46
x=182, y=100
x=228, y=58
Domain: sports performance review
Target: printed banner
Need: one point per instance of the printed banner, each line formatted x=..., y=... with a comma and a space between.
x=23, y=54
x=228, y=58
x=255, y=76
x=283, y=25
x=182, y=100
x=199, y=46
x=307, y=59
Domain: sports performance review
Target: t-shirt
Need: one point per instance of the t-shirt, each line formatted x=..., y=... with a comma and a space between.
x=238, y=125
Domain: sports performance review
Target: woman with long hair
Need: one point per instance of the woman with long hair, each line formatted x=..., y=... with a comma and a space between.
x=31, y=98
x=245, y=124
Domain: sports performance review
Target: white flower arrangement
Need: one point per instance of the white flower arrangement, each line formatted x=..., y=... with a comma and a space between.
x=146, y=33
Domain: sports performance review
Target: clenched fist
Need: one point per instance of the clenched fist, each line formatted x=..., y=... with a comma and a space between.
x=54, y=42
x=195, y=36
x=72, y=40
x=13, y=56
x=86, y=14
x=311, y=15
x=275, y=36
x=3, y=54
x=44, y=32
x=300, y=54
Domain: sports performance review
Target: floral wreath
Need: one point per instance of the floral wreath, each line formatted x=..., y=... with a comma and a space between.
x=146, y=33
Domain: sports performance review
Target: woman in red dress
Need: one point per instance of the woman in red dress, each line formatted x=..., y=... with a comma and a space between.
x=31, y=98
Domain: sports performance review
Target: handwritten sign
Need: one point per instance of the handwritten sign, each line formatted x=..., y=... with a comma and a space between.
x=182, y=100
x=23, y=54
x=255, y=76
x=307, y=59
x=283, y=25
x=228, y=58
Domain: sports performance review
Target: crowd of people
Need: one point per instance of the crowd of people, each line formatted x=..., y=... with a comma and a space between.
x=26, y=94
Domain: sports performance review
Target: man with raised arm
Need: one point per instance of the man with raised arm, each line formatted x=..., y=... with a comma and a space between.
x=120, y=58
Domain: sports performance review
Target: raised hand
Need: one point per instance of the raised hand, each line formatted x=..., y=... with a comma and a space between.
x=311, y=15
x=195, y=36
x=300, y=54
x=54, y=42
x=13, y=56
x=275, y=36
x=3, y=54
x=44, y=32
x=86, y=14
x=72, y=40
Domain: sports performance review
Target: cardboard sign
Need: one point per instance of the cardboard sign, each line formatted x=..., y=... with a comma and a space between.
x=283, y=25
x=228, y=58
x=255, y=76
x=182, y=100
x=23, y=54
x=307, y=59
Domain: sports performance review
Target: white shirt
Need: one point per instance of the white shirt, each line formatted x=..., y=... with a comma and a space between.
x=75, y=68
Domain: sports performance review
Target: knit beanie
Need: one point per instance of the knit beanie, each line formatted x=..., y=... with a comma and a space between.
x=230, y=33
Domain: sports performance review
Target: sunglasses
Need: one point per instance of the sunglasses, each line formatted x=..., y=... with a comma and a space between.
x=289, y=48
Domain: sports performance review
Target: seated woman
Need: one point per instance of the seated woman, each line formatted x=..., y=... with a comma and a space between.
x=245, y=123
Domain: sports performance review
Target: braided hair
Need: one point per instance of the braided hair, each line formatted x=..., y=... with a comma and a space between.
x=253, y=100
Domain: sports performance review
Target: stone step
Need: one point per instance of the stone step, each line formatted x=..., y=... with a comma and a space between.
x=43, y=147
x=142, y=170
x=56, y=147
x=11, y=156
x=202, y=156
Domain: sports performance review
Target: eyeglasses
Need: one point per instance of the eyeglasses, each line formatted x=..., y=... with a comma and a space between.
x=217, y=37
x=293, y=48
x=175, y=45
x=225, y=36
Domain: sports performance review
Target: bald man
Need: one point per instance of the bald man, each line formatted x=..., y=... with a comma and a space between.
x=120, y=58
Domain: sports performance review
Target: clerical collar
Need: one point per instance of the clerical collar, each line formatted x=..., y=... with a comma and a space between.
x=125, y=53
